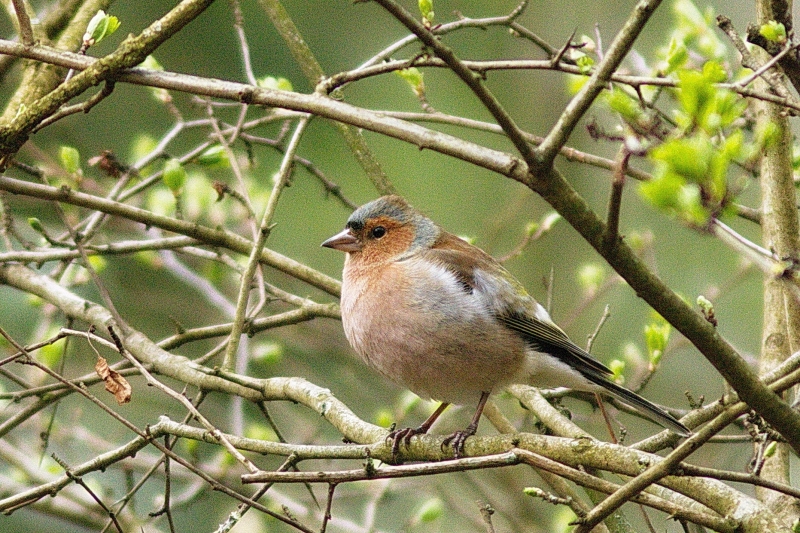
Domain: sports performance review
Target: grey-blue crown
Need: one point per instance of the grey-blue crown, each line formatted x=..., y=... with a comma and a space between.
x=398, y=209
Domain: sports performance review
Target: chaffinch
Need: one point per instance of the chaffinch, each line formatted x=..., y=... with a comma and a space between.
x=444, y=319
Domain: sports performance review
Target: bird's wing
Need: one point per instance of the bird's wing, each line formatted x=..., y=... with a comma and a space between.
x=459, y=258
x=481, y=274
x=546, y=337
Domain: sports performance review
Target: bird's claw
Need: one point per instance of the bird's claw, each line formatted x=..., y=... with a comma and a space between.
x=402, y=436
x=457, y=441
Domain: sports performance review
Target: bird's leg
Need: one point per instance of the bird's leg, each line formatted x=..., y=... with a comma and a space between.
x=404, y=435
x=606, y=417
x=457, y=439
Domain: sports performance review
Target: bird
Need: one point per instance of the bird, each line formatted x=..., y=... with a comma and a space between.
x=447, y=321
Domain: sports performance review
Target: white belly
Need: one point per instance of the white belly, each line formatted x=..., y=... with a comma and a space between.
x=443, y=345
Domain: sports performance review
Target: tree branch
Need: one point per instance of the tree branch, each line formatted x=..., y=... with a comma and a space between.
x=578, y=106
x=201, y=233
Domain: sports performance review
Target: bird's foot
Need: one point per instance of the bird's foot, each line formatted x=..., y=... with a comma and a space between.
x=457, y=441
x=403, y=436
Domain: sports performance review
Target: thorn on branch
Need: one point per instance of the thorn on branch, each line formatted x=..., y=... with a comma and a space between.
x=556, y=59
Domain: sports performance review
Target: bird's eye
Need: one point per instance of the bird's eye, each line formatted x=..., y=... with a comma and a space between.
x=378, y=232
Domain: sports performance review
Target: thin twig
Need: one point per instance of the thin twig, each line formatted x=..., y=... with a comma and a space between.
x=578, y=106
x=615, y=199
x=766, y=66
x=605, y=316
x=284, y=175
x=83, y=107
x=238, y=26
x=78, y=480
x=749, y=60
x=657, y=471
x=183, y=400
x=25, y=29
x=206, y=234
x=470, y=78
x=327, y=516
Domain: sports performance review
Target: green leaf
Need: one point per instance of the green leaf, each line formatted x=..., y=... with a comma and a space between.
x=415, y=79
x=406, y=402
x=677, y=55
x=426, y=9
x=626, y=105
x=713, y=72
x=36, y=224
x=773, y=31
x=200, y=200
x=694, y=94
x=772, y=447
x=98, y=263
x=268, y=352
x=698, y=31
x=728, y=107
x=656, y=336
x=688, y=157
x=150, y=62
x=100, y=27
x=142, y=145
x=430, y=510
x=70, y=159
x=617, y=368
x=591, y=276
x=260, y=432
x=767, y=134
x=278, y=84
x=215, y=157
x=174, y=176
x=705, y=304
x=384, y=418
x=704, y=104
x=51, y=354
x=585, y=63
x=671, y=193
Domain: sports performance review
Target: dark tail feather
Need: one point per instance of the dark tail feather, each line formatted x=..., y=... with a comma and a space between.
x=649, y=409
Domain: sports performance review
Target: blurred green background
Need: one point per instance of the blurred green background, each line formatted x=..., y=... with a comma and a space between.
x=466, y=200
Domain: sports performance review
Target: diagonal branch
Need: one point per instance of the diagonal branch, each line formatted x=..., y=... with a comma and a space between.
x=472, y=79
x=202, y=233
x=24, y=21
x=313, y=72
x=648, y=286
x=554, y=189
x=131, y=52
x=254, y=260
x=578, y=106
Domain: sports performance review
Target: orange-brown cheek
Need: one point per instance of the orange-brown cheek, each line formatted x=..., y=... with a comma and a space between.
x=396, y=242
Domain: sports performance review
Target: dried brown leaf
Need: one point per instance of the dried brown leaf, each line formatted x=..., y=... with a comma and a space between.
x=115, y=383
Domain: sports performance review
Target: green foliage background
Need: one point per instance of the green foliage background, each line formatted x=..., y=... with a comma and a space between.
x=466, y=200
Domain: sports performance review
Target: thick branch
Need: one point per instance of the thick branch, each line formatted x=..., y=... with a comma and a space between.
x=131, y=52
x=779, y=223
x=578, y=106
x=560, y=194
x=553, y=188
x=201, y=233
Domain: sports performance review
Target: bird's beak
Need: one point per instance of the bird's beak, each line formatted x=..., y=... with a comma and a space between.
x=343, y=241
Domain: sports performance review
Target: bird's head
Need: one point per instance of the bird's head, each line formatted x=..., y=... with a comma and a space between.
x=384, y=230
